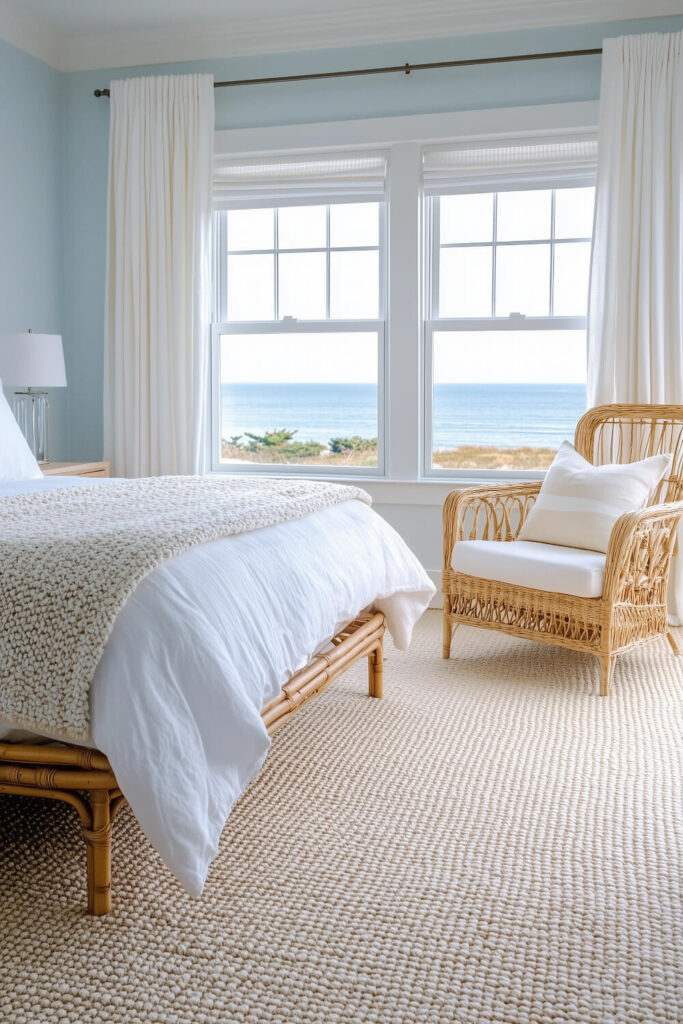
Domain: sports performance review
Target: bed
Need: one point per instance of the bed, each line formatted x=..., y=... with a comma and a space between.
x=215, y=650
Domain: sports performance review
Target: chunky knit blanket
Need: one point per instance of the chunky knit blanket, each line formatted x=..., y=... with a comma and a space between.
x=70, y=558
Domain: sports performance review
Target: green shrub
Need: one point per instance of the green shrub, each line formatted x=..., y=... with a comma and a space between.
x=343, y=445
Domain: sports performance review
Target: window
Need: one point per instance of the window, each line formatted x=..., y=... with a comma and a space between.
x=506, y=336
x=427, y=323
x=301, y=346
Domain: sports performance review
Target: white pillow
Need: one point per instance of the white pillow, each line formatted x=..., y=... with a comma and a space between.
x=578, y=503
x=17, y=461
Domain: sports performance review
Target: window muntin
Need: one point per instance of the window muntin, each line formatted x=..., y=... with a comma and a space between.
x=307, y=262
x=505, y=252
x=506, y=343
x=298, y=365
x=572, y=229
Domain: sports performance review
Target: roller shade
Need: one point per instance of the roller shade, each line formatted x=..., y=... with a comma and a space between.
x=519, y=164
x=298, y=180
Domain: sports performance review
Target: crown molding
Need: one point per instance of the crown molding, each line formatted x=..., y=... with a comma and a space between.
x=402, y=20
x=374, y=23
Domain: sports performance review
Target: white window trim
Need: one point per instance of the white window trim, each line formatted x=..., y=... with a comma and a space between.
x=540, y=323
x=291, y=325
x=435, y=323
x=434, y=245
x=405, y=480
x=222, y=253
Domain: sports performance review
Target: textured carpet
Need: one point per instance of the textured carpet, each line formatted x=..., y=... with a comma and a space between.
x=491, y=843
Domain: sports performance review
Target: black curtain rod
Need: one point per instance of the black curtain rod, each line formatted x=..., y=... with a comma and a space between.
x=398, y=68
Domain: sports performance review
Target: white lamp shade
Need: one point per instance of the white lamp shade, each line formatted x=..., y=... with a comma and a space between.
x=32, y=360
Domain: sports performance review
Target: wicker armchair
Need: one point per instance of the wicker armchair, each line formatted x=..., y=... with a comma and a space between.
x=632, y=607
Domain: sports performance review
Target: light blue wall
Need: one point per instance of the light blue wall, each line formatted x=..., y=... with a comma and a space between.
x=86, y=126
x=31, y=281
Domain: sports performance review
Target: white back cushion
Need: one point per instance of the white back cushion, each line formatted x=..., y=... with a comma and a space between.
x=16, y=458
x=579, y=503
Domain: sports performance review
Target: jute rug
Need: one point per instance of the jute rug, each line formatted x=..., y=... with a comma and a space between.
x=491, y=843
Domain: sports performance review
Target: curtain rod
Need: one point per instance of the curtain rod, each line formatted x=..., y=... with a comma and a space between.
x=398, y=68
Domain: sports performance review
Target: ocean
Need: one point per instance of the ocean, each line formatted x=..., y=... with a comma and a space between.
x=499, y=415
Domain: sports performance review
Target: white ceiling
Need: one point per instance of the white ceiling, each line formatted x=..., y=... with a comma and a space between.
x=88, y=16
x=80, y=34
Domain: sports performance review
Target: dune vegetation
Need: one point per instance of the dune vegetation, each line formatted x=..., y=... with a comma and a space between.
x=280, y=447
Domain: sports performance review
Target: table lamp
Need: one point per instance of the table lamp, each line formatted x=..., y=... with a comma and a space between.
x=34, y=361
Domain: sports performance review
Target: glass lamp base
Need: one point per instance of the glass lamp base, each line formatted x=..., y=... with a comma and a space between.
x=30, y=410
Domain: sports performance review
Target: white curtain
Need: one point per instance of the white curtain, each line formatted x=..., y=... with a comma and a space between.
x=158, y=274
x=635, y=326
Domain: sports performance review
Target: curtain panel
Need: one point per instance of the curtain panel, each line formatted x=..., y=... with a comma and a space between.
x=158, y=274
x=635, y=322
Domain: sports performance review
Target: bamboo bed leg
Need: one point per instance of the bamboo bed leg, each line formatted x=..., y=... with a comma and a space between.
x=447, y=627
x=98, y=845
x=376, y=671
x=606, y=669
x=672, y=640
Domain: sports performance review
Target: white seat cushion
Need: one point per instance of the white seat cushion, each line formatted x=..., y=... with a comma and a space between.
x=526, y=563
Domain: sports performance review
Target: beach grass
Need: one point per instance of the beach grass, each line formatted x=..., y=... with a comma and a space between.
x=471, y=456
x=273, y=457
x=463, y=457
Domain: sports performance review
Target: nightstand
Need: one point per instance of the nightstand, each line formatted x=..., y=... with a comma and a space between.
x=76, y=469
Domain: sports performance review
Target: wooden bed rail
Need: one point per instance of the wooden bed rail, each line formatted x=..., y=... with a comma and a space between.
x=367, y=635
x=84, y=778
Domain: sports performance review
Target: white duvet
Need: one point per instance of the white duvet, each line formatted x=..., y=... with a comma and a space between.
x=211, y=636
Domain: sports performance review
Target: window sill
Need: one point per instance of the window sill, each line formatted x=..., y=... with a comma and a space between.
x=426, y=491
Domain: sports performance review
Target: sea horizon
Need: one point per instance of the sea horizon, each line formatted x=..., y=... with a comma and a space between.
x=464, y=414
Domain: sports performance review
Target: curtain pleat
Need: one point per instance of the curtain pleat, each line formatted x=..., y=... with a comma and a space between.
x=158, y=274
x=635, y=324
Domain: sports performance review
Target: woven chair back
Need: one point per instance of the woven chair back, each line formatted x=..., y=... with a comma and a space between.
x=628, y=433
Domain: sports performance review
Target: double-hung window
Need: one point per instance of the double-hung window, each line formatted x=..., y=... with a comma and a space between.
x=508, y=240
x=298, y=339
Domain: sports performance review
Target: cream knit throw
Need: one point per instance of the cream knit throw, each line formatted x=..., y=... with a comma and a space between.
x=69, y=559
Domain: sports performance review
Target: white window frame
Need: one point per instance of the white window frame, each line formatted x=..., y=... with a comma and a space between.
x=405, y=481
x=291, y=325
x=434, y=323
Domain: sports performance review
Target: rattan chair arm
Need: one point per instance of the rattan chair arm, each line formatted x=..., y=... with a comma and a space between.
x=639, y=555
x=488, y=512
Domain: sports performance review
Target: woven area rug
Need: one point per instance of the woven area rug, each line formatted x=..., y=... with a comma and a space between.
x=491, y=843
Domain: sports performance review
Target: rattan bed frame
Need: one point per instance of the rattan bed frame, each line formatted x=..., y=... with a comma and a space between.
x=84, y=778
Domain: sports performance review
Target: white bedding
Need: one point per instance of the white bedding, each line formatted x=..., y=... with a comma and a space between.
x=211, y=636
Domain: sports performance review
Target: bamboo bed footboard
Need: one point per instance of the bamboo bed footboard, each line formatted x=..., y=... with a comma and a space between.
x=84, y=778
